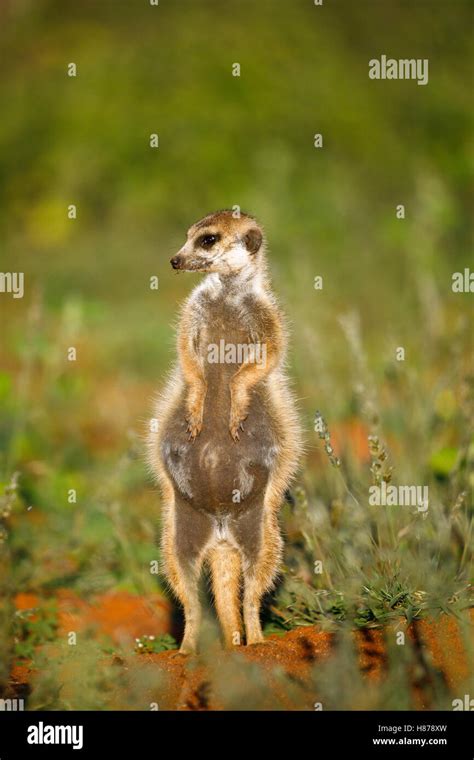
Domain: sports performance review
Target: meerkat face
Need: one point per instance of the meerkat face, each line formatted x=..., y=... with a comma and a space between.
x=220, y=243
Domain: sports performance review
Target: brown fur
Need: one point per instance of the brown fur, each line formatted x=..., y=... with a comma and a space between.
x=228, y=441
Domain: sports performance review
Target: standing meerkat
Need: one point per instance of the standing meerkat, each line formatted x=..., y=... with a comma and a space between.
x=228, y=439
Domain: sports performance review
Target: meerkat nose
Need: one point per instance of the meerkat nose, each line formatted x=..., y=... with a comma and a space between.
x=175, y=262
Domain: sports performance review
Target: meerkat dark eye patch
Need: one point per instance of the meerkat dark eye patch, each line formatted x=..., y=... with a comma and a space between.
x=207, y=241
x=253, y=240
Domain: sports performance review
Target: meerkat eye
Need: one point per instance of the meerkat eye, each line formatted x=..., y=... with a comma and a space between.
x=207, y=241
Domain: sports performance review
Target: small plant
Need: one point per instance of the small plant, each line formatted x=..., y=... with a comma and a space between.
x=7, y=500
x=302, y=605
x=391, y=600
x=380, y=468
x=322, y=430
x=155, y=644
x=33, y=628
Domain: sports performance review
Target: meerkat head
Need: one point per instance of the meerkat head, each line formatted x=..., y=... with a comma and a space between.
x=221, y=243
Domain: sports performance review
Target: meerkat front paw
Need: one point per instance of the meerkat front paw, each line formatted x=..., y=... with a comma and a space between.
x=237, y=418
x=194, y=420
x=195, y=410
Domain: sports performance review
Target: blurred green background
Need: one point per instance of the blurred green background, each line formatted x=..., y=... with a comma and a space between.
x=226, y=140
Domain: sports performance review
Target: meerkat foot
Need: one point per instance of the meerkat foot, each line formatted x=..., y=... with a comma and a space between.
x=187, y=647
x=256, y=638
x=178, y=654
x=186, y=651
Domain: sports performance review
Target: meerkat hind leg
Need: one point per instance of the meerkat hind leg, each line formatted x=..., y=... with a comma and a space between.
x=225, y=564
x=184, y=550
x=259, y=577
x=189, y=597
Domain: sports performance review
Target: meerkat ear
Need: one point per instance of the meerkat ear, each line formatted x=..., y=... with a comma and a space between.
x=253, y=240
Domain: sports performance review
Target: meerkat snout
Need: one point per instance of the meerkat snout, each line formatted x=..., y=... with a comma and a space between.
x=175, y=262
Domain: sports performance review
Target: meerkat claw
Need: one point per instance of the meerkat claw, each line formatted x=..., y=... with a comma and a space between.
x=193, y=429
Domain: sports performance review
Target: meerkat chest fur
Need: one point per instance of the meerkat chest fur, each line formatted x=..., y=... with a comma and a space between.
x=230, y=329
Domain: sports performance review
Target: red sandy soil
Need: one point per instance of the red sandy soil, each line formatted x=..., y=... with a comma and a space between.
x=187, y=687
x=119, y=615
x=185, y=681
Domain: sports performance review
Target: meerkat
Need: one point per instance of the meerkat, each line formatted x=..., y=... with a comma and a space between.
x=227, y=441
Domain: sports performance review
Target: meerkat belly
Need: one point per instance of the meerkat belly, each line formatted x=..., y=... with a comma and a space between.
x=213, y=472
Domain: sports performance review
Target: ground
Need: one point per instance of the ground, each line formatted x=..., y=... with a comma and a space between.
x=281, y=673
